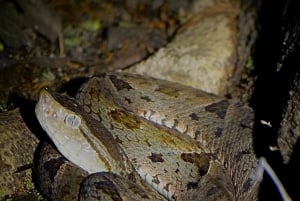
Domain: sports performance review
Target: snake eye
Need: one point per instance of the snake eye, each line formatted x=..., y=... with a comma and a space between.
x=73, y=120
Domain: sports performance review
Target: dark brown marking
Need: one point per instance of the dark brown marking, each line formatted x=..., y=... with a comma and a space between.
x=245, y=126
x=119, y=84
x=192, y=185
x=219, y=108
x=137, y=190
x=146, y=98
x=105, y=139
x=147, y=142
x=247, y=122
x=131, y=177
x=200, y=160
x=128, y=100
x=197, y=133
x=166, y=187
x=211, y=191
x=156, y=158
x=111, y=126
x=247, y=185
x=107, y=187
x=240, y=154
x=155, y=179
x=118, y=140
x=219, y=132
x=194, y=117
x=175, y=123
x=101, y=75
x=134, y=160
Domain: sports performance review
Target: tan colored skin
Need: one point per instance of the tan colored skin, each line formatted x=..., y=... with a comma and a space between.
x=70, y=130
x=220, y=128
x=53, y=112
x=170, y=162
x=216, y=165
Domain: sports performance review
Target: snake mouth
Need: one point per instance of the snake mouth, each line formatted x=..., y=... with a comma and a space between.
x=42, y=108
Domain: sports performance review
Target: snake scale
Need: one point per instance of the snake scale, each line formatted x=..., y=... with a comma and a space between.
x=184, y=143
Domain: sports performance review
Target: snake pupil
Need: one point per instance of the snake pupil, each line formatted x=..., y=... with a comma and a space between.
x=73, y=121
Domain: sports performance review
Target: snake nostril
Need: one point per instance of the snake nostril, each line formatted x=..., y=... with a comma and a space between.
x=54, y=115
x=47, y=111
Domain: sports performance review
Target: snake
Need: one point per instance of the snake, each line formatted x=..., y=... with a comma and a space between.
x=169, y=141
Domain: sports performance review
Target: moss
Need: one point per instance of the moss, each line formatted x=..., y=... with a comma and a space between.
x=91, y=25
x=4, y=196
x=31, y=195
x=1, y=47
x=249, y=64
x=33, y=192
